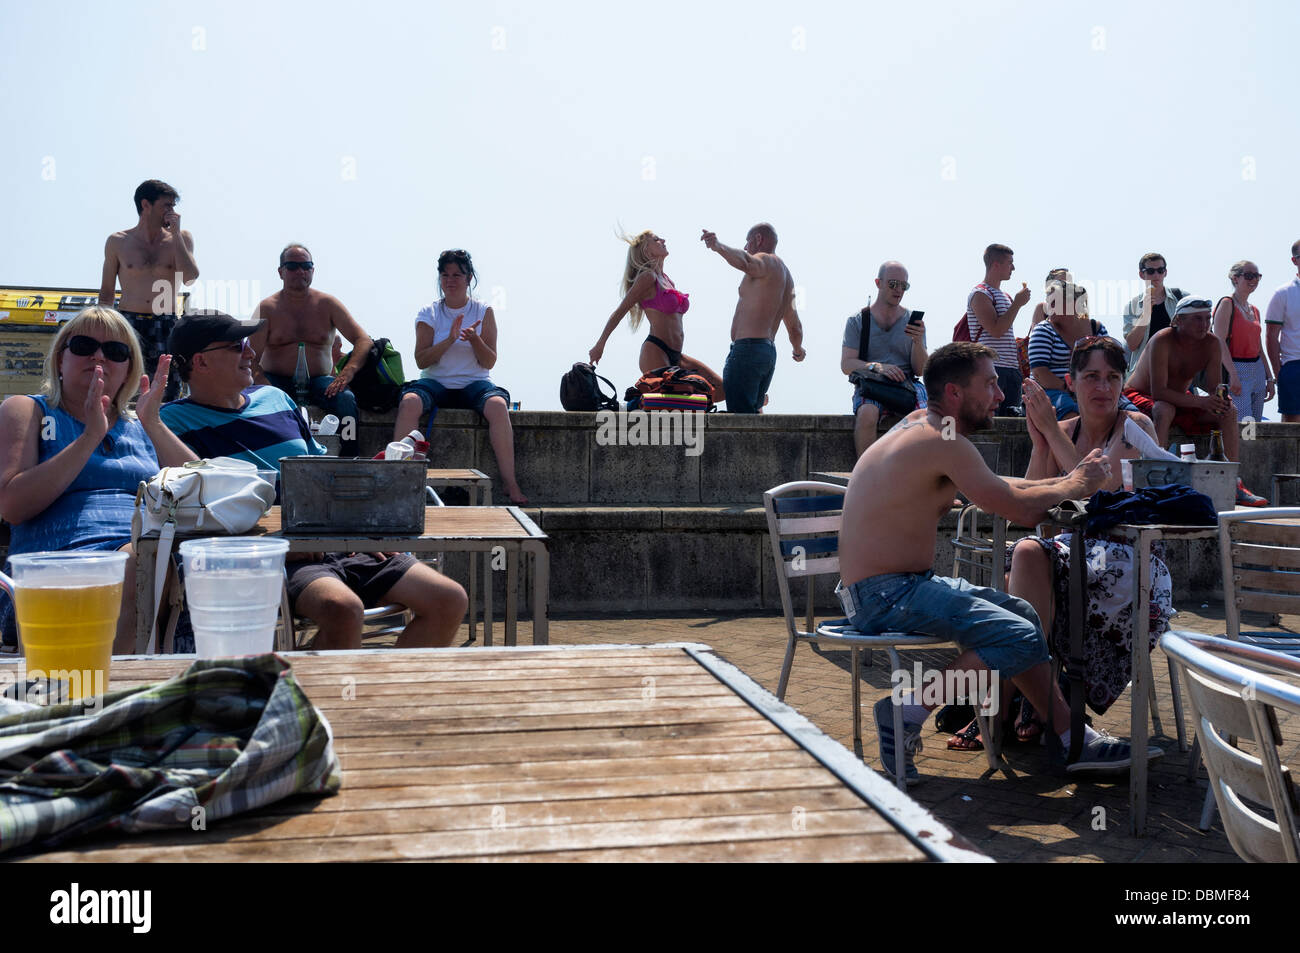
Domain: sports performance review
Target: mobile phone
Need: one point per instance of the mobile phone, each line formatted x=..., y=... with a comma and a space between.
x=916, y=317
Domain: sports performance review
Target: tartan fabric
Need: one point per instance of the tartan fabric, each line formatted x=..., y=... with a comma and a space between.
x=226, y=735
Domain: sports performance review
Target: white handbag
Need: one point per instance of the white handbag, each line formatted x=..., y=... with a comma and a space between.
x=218, y=497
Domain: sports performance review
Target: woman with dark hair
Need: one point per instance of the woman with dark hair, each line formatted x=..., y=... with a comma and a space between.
x=648, y=292
x=73, y=456
x=1040, y=567
x=456, y=346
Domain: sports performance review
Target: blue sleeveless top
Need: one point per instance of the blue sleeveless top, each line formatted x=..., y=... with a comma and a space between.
x=95, y=511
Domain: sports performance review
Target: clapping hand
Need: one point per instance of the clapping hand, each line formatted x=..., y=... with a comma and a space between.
x=151, y=392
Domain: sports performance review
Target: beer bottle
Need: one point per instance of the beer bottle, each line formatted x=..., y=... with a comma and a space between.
x=1216, y=447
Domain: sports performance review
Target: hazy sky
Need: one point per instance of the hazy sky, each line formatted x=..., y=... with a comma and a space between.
x=381, y=133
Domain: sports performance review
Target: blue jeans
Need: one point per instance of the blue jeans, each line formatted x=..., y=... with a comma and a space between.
x=751, y=362
x=342, y=405
x=1003, y=630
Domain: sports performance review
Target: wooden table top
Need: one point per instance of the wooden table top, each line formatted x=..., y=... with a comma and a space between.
x=462, y=474
x=443, y=521
x=628, y=753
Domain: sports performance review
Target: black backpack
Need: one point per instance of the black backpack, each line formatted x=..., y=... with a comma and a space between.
x=580, y=390
x=378, y=385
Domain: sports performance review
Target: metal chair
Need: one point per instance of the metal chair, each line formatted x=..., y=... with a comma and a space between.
x=1260, y=565
x=804, y=532
x=1233, y=696
x=381, y=620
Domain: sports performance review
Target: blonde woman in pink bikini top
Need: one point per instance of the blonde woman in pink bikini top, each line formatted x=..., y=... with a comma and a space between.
x=648, y=291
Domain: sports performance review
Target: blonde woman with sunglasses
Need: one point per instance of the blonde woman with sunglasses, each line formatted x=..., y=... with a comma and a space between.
x=72, y=457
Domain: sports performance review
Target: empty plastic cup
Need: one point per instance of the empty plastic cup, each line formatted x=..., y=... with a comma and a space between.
x=232, y=585
x=67, y=606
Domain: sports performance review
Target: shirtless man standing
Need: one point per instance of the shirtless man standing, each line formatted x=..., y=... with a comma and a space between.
x=1168, y=365
x=898, y=491
x=149, y=261
x=300, y=314
x=766, y=299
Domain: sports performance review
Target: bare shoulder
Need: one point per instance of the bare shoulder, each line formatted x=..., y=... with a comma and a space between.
x=18, y=411
x=267, y=307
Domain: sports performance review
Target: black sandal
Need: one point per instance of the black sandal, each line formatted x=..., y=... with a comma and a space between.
x=968, y=739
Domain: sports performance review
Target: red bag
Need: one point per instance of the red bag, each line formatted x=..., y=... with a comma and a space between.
x=668, y=380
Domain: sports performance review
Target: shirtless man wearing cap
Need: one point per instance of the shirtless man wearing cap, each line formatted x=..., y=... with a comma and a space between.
x=149, y=260
x=766, y=299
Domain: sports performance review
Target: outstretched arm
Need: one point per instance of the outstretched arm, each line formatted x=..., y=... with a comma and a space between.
x=737, y=258
x=639, y=291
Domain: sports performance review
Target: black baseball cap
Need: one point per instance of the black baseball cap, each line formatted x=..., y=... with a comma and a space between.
x=200, y=329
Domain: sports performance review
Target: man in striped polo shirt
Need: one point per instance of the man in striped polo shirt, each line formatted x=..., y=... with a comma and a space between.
x=991, y=317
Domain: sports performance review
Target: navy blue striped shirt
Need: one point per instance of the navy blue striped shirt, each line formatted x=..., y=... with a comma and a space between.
x=267, y=428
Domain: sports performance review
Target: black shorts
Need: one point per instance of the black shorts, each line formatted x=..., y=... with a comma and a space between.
x=369, y=575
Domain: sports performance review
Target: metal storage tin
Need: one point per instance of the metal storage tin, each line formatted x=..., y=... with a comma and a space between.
x=1217, y=480
x=372, y=497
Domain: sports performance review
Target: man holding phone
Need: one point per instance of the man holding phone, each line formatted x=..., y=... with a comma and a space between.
x=893, y=349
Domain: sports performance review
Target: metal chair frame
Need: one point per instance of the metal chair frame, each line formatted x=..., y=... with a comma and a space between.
x=1233, y=695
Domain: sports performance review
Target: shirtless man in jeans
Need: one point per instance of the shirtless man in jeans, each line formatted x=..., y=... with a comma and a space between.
x=898, y=492
x=298, y=313
x=149, y=260
x=766, y=299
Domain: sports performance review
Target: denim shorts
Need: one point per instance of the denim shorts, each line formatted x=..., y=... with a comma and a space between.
x=921, y=400
x=1288, y=388
x=1003, y=630
x=473, y=396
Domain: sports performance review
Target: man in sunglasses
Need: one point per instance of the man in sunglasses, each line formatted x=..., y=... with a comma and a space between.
x=766, y=300
x=299, y=314
x=1149, y=313
x=893, y=349
x=226, y=415
x=149, y=260
x=1161, y=384
x=1283, y=324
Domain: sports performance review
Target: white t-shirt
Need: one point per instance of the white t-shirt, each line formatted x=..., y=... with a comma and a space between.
x=1284, y=309
x=458, y=366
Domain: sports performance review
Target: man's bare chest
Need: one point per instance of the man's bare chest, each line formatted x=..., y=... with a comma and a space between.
x=153, y=258
x=291, y=323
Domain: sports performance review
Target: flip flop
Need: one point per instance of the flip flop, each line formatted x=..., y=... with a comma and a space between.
x=1028, y=725
x=968, y=739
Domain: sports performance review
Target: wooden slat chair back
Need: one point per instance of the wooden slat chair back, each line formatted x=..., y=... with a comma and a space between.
x=1260, y=557
x=803, y=522
x=1234, y=699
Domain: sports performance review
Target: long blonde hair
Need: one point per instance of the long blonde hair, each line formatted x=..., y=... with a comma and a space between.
x=109, y=324
x=636, y=263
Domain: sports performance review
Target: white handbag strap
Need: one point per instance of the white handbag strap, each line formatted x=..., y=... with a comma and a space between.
x=166, y=537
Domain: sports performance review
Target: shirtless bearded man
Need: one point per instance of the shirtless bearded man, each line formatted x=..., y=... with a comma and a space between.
x=766, y=299
x=902, y=485
x=300, y=314
x=149, y=260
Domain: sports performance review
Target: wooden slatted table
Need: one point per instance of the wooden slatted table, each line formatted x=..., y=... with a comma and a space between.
x=607, y=753
x=472, y=529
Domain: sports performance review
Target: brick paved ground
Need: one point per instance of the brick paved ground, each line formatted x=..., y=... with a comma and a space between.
x=1020, y=814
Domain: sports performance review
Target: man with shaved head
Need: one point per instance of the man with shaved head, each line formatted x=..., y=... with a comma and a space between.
x=766, y=299
x=895, y=349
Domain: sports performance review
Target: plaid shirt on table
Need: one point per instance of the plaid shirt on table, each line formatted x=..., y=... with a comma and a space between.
x=226, y=735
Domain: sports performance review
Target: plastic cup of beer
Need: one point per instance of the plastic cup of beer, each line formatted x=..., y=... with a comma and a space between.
x=232, y=587
x=67, y=606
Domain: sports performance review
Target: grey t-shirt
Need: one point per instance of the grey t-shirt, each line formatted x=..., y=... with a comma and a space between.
x=887, y=347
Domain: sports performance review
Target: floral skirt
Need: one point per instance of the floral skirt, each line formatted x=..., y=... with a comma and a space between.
x=1108, y=617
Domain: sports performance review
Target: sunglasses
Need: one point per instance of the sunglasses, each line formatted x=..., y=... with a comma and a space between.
x=233, y=346
x=1250, y=275
x=83, y=346
x=298, y=265
x=1155, y=271
x=896, y=283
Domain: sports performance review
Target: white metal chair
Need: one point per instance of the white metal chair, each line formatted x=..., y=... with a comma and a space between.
x=803, y=521
x=1234, y=698
x=381, y=620
x=1259, y=560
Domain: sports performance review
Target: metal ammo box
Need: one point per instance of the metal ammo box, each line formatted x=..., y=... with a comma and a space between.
x=372, y=497
x=1216, y=479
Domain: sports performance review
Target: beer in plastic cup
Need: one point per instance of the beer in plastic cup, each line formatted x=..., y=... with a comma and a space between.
x=67, y=606
x=232, y=586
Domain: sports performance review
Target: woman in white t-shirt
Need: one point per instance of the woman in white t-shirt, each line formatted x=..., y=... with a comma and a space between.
x=455, y=347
